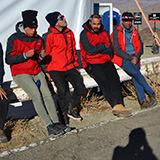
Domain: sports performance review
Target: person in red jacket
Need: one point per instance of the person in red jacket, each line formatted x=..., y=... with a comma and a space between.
x=96, y=49
x=128, y=49
x=60, y=45
x=24, y=51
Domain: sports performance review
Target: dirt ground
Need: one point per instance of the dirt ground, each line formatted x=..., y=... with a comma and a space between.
x=25, y=131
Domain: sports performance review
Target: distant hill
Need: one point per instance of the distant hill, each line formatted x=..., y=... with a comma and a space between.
x=124, y=5
x=148, y=6
x=155, y=8
x=147, y=37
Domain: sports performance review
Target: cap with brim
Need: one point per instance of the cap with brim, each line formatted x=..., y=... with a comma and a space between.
x=127, y=16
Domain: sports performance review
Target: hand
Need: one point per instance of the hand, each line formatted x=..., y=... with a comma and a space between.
x=134, y=60
x=106, y=45
x=48, y=76
x=43, y=53
x=78, y=70
x=30, y=53
x=3, y=93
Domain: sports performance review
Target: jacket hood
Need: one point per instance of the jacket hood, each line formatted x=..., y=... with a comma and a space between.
x=20, y=29
x=87, y=26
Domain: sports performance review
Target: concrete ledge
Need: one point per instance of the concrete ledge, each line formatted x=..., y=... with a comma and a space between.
x=17, y=94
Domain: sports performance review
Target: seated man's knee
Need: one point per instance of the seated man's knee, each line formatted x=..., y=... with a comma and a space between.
x=61, y=91
x=82, y=91
x=135, y=73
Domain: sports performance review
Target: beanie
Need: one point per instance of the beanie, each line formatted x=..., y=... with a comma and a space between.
x=29, y=19
x=52, y=18
x=127, y=16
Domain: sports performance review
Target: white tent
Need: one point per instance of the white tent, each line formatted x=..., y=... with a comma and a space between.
x=75, y=11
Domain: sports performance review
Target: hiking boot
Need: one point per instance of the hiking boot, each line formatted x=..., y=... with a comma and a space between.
x=3, y=138
x=120, y=111
x=153, y=100
x=64, y=127
x=55, y=130
x=74, y=115
x=145, y=104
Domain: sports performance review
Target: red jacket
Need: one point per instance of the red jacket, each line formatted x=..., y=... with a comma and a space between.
x=19, y=43
x=93, y=46
x=61, y=46
x=119, y=41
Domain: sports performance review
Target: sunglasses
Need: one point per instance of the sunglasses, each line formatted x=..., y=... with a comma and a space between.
x=61, y=18
x=127, y=17
x=33, y=28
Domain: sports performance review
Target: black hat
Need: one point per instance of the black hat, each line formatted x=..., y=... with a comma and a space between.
x=29, y=19
x=52, y=18
x=127, y=16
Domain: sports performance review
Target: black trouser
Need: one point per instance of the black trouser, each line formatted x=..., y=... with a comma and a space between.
x=61, y=79
x=107, y=78
x=3, y=111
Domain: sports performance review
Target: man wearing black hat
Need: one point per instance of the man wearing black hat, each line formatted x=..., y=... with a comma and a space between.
x=128, y=49
x=61, y=47
x=24, y=51
x=3, y=100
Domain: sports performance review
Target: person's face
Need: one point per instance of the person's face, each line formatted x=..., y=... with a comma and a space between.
x=95, y=24
x=30, y=31
x=127, y=24
x=61, y=22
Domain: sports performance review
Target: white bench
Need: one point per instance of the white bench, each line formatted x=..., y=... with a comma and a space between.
x=17, y=94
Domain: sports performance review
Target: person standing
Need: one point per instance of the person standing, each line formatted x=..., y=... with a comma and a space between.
x=128, y=49
x=24, y=51
x=96, y=49
x=4, y=103
x=60, y=45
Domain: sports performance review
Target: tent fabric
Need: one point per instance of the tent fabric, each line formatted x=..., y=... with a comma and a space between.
x=76, y=13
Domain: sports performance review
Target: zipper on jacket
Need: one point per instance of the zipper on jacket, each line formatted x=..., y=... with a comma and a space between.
x=65, y=37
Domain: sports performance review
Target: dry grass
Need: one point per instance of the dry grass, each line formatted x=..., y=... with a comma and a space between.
x=24, y=131
x=94, y=103
x=152, y=78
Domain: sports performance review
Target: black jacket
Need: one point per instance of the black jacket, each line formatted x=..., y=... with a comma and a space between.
x=1, y=65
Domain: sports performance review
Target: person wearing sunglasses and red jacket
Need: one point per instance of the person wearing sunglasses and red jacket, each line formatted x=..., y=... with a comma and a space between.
x=60, y=45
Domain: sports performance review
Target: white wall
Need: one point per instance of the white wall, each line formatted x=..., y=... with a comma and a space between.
x=75, y=11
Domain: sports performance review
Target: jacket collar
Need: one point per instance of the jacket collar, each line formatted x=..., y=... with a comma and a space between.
x=56, y=31
x=20, y=30
x=121, y=28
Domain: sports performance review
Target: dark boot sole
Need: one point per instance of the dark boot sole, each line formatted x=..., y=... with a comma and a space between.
x=58, y=134
x=152, y=105
x=68, y=129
